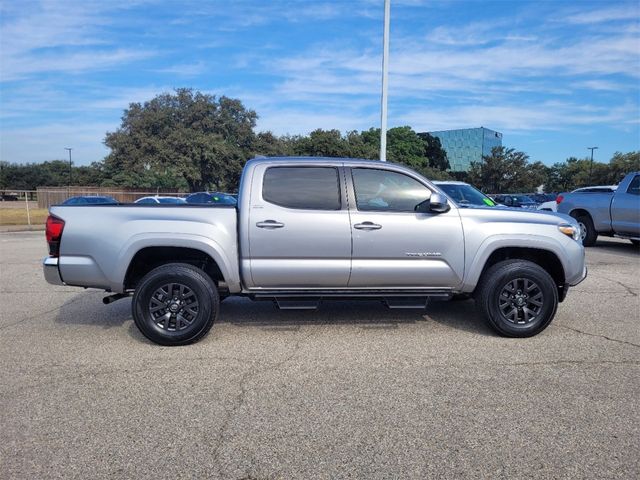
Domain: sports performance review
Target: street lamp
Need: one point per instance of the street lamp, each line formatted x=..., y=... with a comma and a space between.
x=69, y=149
x=385, y=79
x=591, y=164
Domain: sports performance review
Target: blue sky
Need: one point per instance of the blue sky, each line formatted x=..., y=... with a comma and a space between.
x=554, y=77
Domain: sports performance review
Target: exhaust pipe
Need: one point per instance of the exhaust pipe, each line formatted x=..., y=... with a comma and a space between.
x=114, y=297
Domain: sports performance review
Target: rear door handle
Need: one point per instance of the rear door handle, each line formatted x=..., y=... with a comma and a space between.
x=270, y=224
x=367, y=226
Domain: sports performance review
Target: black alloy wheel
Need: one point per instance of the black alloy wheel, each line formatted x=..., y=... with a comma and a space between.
x=175, y=304
x=521, y=301
x=517, y=297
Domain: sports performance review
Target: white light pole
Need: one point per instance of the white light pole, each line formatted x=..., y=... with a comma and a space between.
x=385, y=81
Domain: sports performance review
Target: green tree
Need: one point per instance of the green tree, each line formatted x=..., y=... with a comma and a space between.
x=322, y=143
x=267, y=144
x=504, y=171
x=405, y=146
x=575, y=173
x=186, y=135
x=434, y=152
x=621, y=164
x=54, y=173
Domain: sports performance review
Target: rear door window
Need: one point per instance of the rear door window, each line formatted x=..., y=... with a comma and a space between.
x=634, y=186
x=307, y=188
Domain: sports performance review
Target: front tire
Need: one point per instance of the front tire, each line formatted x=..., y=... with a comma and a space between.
x=518, y=298
x=175, y=304
x=588, y=232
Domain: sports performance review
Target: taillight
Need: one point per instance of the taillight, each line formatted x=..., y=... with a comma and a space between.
x=559, y=199
x=53, y=233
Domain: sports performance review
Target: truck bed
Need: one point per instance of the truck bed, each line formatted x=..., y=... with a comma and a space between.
x=99, y=241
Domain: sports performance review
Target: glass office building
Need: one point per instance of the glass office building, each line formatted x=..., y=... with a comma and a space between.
x=467, y=145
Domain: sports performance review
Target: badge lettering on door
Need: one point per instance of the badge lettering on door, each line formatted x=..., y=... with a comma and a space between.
x=423, y=254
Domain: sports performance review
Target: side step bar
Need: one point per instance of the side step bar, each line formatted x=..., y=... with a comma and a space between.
x=406, y=302
x=297, y=304
x=347, y=294
x=310, y=300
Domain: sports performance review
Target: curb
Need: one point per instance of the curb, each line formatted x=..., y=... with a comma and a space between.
x=21, y=228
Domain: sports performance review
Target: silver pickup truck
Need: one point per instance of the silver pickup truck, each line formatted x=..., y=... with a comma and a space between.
x=613, y=213
x=311, y=229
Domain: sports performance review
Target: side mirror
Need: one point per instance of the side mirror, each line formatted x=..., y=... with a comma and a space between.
x=437, y=203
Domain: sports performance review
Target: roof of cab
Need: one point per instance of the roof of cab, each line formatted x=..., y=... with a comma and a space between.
x=347, y=162
x=293, y=159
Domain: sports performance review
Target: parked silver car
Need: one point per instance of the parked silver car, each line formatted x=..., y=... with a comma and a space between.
x=312, y=229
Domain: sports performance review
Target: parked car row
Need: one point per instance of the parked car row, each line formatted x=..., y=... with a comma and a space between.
x=516, y=200
x=198, y=198
x=608, y=210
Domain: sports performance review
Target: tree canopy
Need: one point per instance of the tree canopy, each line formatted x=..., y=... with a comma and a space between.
x=195, y=141
x=192, y=140
x=192, y=135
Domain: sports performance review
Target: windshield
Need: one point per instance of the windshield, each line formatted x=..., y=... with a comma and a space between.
x=466, y=195
x=522, y=199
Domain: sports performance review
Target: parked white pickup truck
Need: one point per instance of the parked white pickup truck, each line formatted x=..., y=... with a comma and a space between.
x=311, y=229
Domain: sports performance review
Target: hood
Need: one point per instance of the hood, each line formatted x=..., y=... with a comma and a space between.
x=517, y=215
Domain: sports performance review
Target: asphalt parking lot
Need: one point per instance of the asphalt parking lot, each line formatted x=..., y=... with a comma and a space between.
x=352, y=390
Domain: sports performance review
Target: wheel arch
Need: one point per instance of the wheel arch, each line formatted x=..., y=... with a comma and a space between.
x=546, y=259
x=220, y=264
x=543, y=252
x=149, y=258
x=576, y=212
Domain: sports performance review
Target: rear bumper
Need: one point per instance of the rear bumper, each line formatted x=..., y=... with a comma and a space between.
x=51, y=271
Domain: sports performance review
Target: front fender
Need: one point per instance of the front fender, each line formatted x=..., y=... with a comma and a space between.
x=492, y=243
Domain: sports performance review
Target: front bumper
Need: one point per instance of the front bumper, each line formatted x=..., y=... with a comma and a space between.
x=51, y=271
x=576, y=279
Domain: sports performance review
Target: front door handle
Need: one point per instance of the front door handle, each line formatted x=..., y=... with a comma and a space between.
x=270, y=224
x=367, y=226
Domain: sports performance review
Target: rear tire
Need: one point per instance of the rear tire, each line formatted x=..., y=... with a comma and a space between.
x=517, y=297
x=175, y=304
x=589, y=233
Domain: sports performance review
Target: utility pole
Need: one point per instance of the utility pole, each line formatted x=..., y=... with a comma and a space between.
x=69, y=149
x=385, y=81
x=591, y=164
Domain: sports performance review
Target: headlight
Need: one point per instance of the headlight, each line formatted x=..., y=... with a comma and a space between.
x=571, y=231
